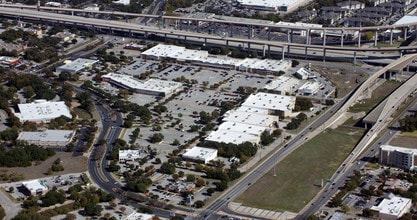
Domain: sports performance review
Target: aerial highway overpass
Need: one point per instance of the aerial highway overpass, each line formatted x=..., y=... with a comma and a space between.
x=111, y=26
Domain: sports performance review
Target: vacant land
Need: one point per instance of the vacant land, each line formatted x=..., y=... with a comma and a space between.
x=405, y=139
x=71, y=165
x=345, y=80
x=379, y=94
x=298, y=176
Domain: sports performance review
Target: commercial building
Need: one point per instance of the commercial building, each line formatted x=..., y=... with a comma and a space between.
x=129, y=155
x=34, y=188
x=262, y=66
x=271, y=5
x=259, y=113
x=393, y=207
x=200, y=154
x=139, y=216
x=283, y=85
x=234, y=137
x=304, y=73
x=401, y=157
x=9, y=60
x=202, y=58
x=275, y=104
x=303, y=29
x=48, y=138
x=76, y=66
x=310, y=88
x=149, y=87
x=42, y=111
x=246, y=116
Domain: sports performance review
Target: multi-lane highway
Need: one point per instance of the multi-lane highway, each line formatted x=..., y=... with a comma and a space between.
x=347, y=170
x=112, y=128
x=221, y=203
x=324, y=121
x=327, y=50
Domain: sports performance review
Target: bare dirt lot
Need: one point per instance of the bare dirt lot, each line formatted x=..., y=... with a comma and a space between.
x=405, y=139
x=71, y=165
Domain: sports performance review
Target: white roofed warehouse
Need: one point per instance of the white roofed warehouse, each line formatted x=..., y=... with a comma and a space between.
x=200, y=154
x=42, y=111
x=150, y=87
x=272, y=5
x=48, y=138
x=129, y=155
x=275, y=104
x=76, y=65
x=34, y=188
x=202, y=58
x=393, y=207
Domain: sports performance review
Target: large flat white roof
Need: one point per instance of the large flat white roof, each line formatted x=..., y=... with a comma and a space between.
x=34, y=185
x=386, y=147
x=47, y=135
x=139, y=216
x=130, y=154
x=406, y=20
x=250, y=118
x=393, y=206
x=42, y=110
x=162, y=50
x=298, y=24
x=283, y=84
x=153, y=85
x=242, y=127
x=77, y=65
x=269, y=3
x=200, y=153
x=181, y=53
x=233, y=137
x=266, y=64
x=270, y=101
x=310, y=87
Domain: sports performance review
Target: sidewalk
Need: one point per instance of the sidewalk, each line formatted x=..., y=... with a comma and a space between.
x=261, y=213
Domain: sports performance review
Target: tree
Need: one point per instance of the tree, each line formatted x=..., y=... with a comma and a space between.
x=176, y=142
x=92, y=209
x=221, y=186
x=156, y=137
x=190, y=178
x=64, y=76
x=175, y=177
x=369, y=35
x=11, y=189
x=302, y=104
x=199, y=204
x=210, y=191
x=70, y=216
x=124, y=93
x=294, y=63
x=122, y=209
x=112, y=204
x=167, y=168
x=200, y=182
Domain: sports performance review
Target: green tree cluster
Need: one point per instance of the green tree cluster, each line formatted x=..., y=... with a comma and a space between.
x=41, y=89
x=409, y=123
x=231, y=150
x=22, y=155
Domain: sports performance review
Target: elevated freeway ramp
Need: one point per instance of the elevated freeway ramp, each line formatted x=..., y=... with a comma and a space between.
x=389, y=104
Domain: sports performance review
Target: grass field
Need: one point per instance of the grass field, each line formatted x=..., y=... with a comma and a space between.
x=378, y=95
x=82, y=113
x=298, y=176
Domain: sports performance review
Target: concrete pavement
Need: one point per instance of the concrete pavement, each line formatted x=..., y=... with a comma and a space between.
x=11, y=208
x=261, y=213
